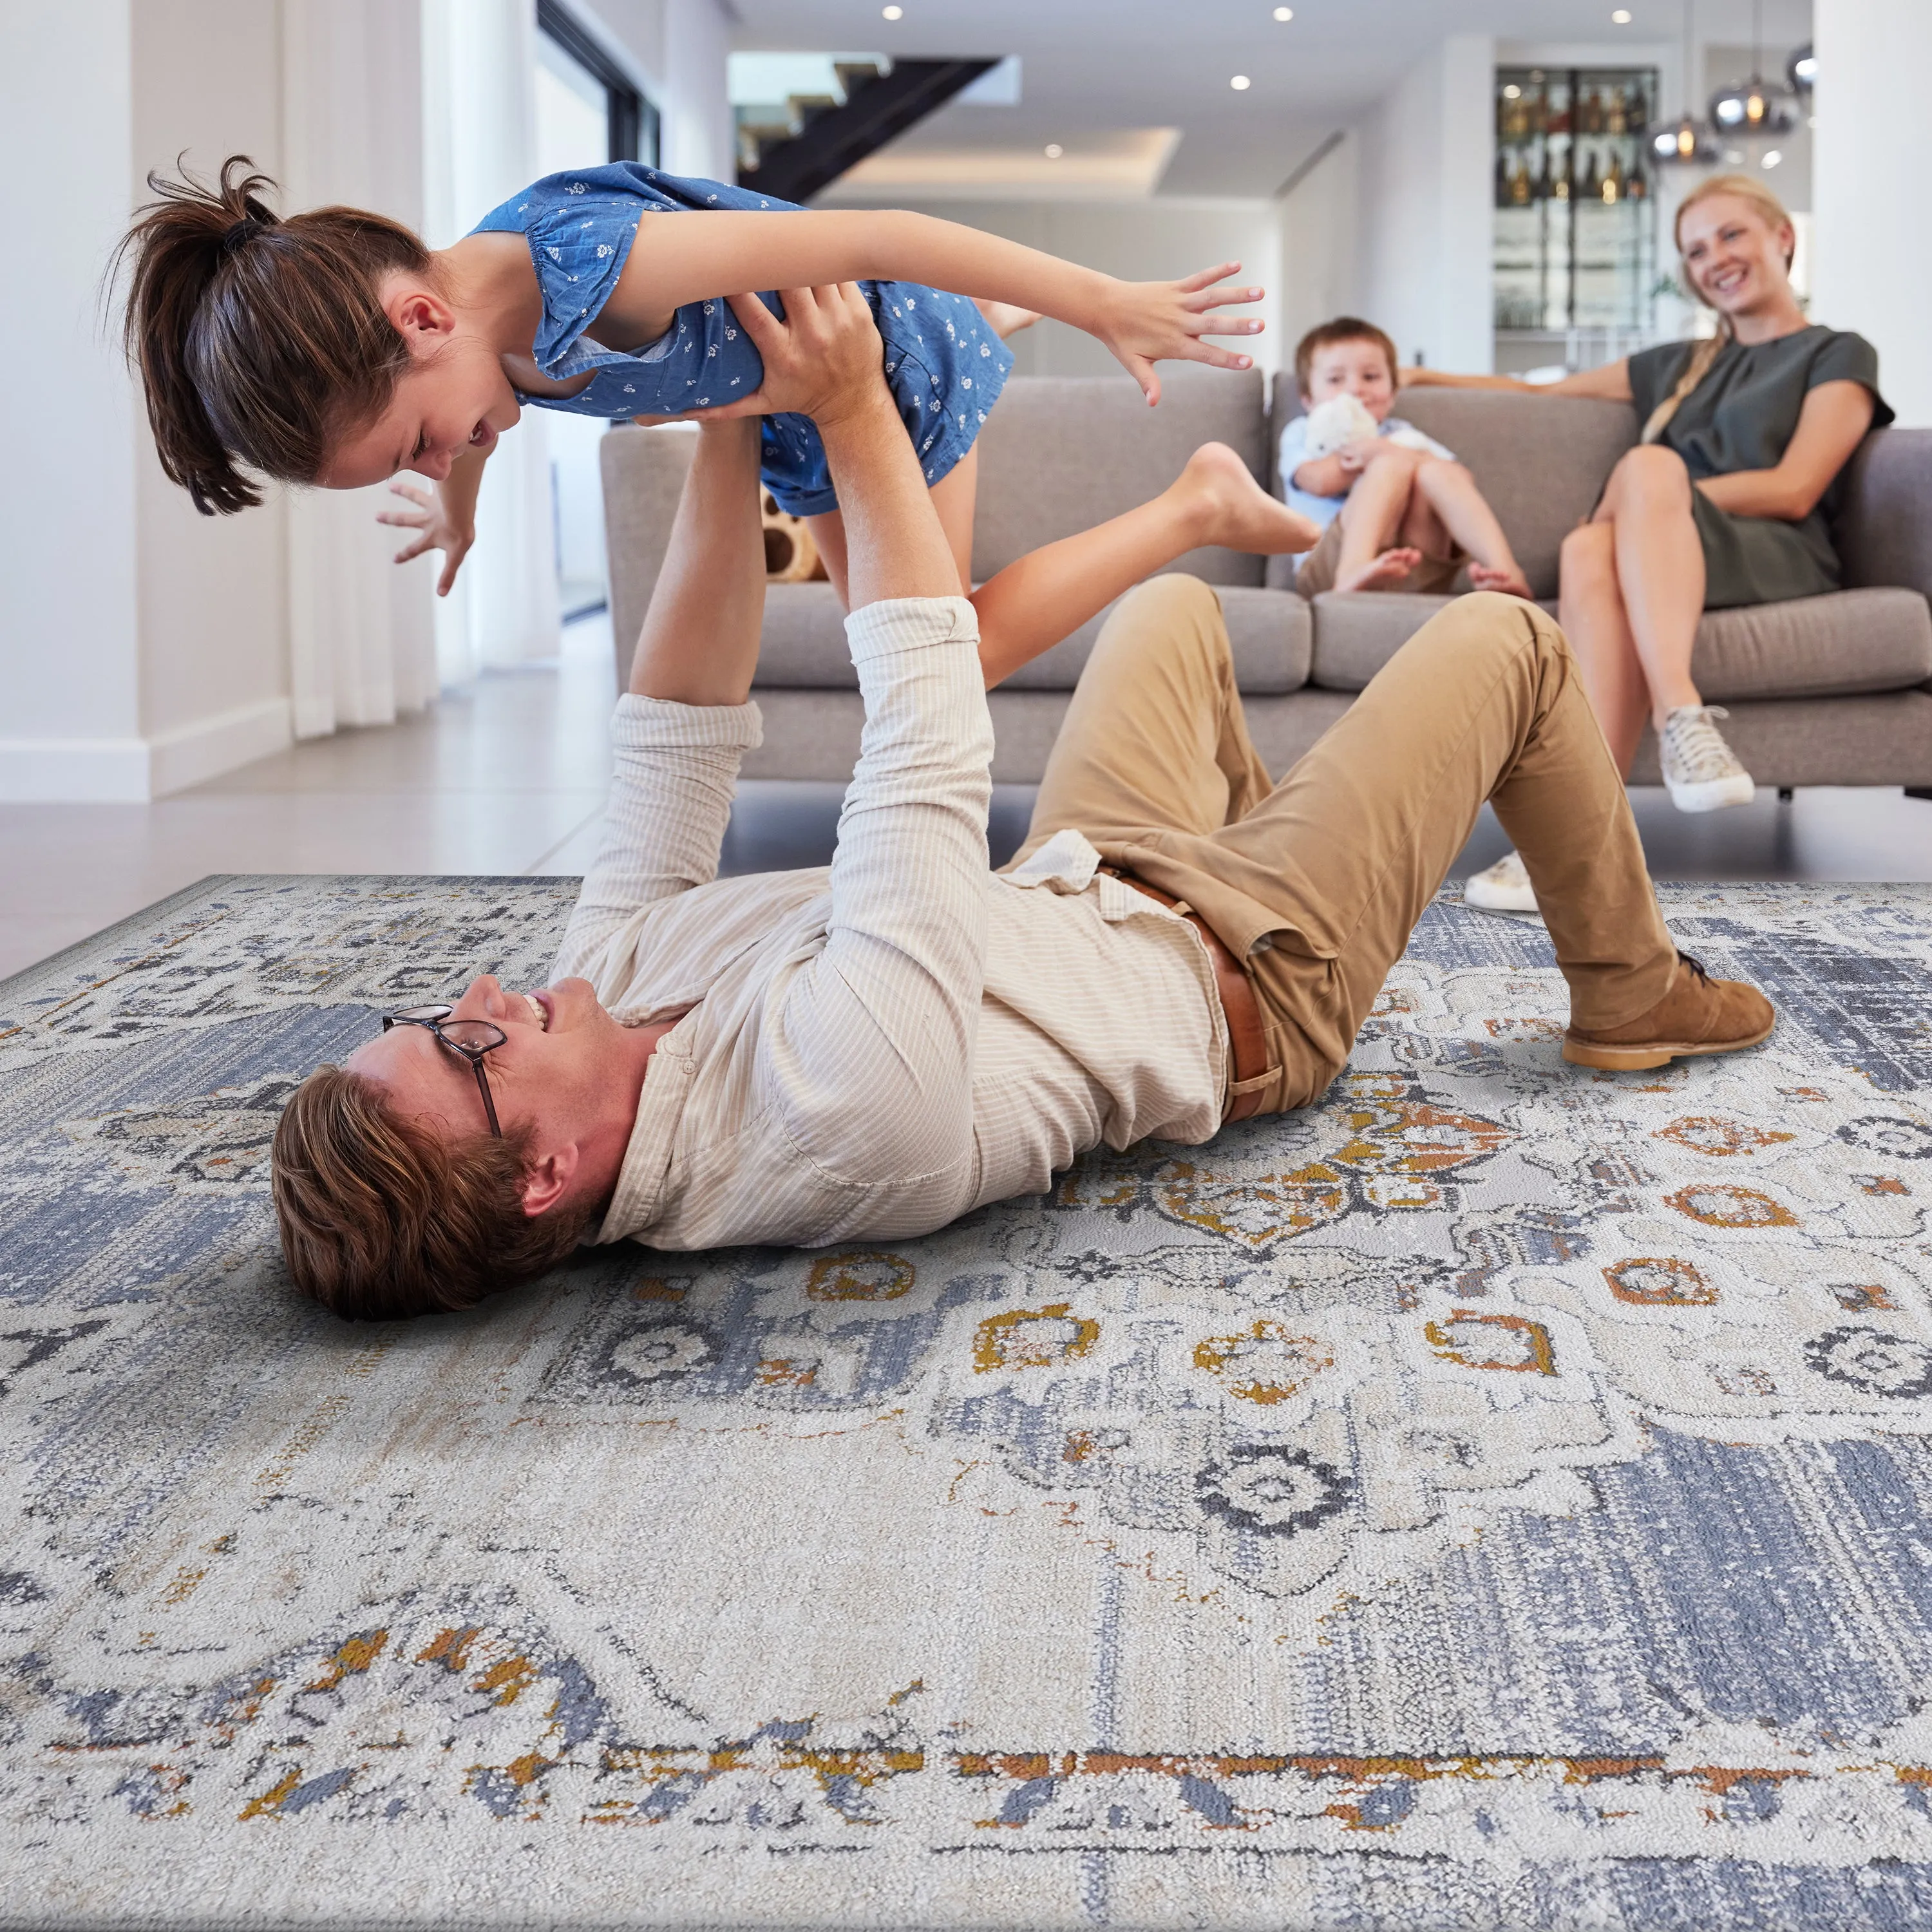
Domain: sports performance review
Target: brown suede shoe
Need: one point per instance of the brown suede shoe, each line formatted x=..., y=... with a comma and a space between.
x=1698, y=1015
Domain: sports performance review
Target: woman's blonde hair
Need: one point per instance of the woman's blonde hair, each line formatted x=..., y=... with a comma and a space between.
x=1773, y=214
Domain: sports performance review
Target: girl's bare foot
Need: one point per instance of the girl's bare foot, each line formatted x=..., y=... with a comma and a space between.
x=1511, y=583
x=1381, y=573
x=1007, y=318
x=1235, y=511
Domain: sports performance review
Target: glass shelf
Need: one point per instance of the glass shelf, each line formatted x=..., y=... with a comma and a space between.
x=1575, y=230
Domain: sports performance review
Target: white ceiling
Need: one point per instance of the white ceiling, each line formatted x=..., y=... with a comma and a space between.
x=1095, y=66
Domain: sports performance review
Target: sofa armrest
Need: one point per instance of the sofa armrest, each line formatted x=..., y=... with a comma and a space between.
x=1885, y=523
x=643, y=471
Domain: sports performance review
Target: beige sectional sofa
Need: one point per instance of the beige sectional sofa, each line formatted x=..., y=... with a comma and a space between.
x=1834, y=690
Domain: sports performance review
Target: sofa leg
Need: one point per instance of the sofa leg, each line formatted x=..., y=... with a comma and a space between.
x=1918, y=791
x=1784, y=794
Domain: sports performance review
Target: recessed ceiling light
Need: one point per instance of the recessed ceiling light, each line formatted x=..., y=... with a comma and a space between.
x=1621, y=18
x=1054, y=151
x=1512, y=92
x=893, y=13
x=1241, y=83
x=1284, y=14
x=1771, y=159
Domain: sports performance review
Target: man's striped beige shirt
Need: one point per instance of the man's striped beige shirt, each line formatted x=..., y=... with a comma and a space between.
x=875, y=1047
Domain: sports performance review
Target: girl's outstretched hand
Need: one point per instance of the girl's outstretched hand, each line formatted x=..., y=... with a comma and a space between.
x=436, y=530
x=1144, y=322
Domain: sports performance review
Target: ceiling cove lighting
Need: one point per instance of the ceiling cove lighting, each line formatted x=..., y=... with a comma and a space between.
x=1241, y=83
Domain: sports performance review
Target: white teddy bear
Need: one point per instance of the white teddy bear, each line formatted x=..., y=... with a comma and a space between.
x=1345, y=419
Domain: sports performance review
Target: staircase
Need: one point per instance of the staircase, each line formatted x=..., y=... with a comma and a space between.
x=825, y=137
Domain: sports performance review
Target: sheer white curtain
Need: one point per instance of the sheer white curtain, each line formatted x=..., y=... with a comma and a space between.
x=478, y=70
x=362, y=639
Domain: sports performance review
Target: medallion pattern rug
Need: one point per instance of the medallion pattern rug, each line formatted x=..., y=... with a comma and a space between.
x=1499, y=1497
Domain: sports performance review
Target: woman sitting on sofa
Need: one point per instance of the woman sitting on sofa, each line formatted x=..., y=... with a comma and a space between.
x=1728, y=498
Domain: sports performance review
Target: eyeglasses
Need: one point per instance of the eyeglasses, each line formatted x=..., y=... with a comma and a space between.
x=469, y=1040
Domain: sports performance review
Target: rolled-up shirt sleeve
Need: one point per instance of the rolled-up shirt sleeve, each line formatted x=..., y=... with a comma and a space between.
x=872, y=1052
x=675, y=773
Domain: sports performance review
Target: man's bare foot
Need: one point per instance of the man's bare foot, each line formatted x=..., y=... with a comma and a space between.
x=1381, y=573
x=1511, y=583
x=1007, y=318
x=1235, y=511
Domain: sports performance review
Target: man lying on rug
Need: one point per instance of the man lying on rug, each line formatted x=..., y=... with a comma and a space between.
x=867, y=1052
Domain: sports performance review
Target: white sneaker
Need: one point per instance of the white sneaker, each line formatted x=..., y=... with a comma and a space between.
x=1701, y=770
x=1502, y=887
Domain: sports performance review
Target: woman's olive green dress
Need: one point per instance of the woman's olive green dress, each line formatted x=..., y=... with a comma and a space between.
x=1742, y=416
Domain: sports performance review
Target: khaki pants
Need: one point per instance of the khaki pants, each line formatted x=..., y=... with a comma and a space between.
x=1316, y=882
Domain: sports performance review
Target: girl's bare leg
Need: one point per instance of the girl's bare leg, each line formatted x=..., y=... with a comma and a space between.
x=1451, y=491
x=1047, y=594
x=1659, y=569
x=1590, y=607
x=1372, y=519
x=1007, y=318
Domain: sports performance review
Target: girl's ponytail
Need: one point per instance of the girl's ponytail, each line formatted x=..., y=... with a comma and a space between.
x=260, y=340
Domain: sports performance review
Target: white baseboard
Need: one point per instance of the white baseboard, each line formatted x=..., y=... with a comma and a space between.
x=130, y=771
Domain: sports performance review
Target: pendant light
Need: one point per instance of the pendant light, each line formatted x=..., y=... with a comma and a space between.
x=1686, y=139
x=1801, y=70
x=1750, y=107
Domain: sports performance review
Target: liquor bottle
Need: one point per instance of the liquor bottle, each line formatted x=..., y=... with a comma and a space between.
x=1545, y=188
x=1590, y=114
x=1637, y=187
x=1519, y=183
x=1562, y=185
x=1612, y=187
x=1502, y=179
x=1615, y=119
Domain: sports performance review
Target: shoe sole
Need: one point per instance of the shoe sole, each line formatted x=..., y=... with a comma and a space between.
x=1714, y=795
x=1500, y=901
x=1638, y=1058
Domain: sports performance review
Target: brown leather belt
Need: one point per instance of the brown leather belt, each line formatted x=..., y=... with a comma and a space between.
x=1247, y=1038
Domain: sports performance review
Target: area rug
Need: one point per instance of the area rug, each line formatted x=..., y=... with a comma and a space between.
x=1497, y=1498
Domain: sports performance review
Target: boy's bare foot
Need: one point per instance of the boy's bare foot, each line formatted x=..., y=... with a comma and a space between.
x=1381, y=573
x=1007, y=318
x=1511, y=583
x=1235, y=511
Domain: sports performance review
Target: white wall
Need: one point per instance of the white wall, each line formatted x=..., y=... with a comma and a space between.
x=1872, y=272
x=1427, y=154
x=144, y=647
x=1323, y=250
x=67, y=554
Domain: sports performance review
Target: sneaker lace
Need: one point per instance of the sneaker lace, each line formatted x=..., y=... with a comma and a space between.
x=1696, y=745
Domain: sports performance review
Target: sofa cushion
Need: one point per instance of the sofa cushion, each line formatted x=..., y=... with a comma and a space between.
x=804, y=648
x=1848, y=642
x=1540, y=460
x=1837, y=645
x=1061, y=454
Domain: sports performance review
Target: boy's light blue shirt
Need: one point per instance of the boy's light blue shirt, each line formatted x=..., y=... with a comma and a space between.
x=1322, y=510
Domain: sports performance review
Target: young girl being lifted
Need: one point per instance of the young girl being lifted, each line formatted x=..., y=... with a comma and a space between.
x=332, y=348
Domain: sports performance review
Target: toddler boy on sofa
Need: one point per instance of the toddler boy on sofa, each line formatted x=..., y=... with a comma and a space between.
x=1399, y=512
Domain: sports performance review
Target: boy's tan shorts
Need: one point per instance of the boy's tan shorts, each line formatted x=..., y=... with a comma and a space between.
x=1433, y=577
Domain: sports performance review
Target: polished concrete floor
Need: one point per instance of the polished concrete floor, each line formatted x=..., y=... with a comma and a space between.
x=509, y=778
